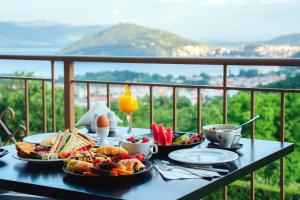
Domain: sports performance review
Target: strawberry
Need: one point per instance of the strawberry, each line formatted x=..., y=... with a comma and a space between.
x=161, y=135
x=155, y=132
x=131, y=139
x=169, y=136
x=145, y=140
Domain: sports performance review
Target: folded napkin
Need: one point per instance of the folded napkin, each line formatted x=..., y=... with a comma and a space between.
x=177, y=173
x=88, y=119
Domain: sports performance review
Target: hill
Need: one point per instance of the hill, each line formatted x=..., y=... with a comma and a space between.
x=129, y=40
x=33, y=34
x=291, y=39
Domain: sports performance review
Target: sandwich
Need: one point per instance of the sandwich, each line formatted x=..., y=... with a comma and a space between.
x=83, y=141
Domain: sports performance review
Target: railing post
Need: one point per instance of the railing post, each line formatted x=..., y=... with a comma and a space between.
x=225, y=191
x=69, y=94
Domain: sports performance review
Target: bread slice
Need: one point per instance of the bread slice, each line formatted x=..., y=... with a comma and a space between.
x=82, y=141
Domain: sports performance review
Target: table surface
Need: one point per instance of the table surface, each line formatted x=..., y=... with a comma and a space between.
x=19, y=176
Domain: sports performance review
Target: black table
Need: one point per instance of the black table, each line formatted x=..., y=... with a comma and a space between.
x=49, y=181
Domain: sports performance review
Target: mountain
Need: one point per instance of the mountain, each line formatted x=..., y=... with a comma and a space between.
x=291, y=39
x=36, y=34
x=129, y=40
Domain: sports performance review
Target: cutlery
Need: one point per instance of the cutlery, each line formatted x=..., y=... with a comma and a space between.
x=208, y=168
x=3, y=153
x=165, y=167
x=251, y=120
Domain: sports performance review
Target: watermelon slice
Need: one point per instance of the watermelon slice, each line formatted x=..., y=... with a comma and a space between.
x=161, y=135
x=169, y=137
x=155, y=132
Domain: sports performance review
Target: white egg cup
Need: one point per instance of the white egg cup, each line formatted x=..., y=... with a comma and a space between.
x=102, y=133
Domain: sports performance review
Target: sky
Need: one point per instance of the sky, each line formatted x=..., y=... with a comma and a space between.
x=222, y=20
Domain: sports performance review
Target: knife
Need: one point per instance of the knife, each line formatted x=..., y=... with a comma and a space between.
x=212, y=169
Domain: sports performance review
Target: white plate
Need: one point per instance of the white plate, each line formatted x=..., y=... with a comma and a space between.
x=37, y=160
x=205, y=156
x=37, y=138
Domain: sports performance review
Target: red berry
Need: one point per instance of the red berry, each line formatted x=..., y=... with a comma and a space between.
x=131, y=139
x=97, y=161
x=107, y=162
x=145, y=140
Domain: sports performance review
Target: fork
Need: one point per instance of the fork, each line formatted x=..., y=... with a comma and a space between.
x=165, y=167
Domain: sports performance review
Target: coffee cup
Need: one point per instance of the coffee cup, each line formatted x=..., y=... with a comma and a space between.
x=227, y=138
x=147, y=149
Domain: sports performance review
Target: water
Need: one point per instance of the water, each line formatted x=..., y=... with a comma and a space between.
x=42, y=68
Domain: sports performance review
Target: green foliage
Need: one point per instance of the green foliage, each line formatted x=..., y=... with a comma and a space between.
x=12, y=94
x=240, y=190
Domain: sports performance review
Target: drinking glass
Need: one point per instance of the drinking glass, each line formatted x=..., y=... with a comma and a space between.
x=128, y=104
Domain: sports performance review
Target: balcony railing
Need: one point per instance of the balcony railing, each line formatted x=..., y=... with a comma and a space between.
x=69, y=82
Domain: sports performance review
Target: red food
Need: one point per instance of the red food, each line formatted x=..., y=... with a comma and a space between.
x=64, y=155
x=96, y=161
x=145, y=140
x=108, y=161
x=140, y=157
x=161, y=135
x=169, y=136
x=131, y=139
x=123, y=156
x=155, y=132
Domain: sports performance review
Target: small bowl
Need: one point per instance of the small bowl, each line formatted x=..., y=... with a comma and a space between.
x=147, y=149
x=210, y=133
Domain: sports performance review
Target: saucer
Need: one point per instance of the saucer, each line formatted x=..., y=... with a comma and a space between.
x=233, y=148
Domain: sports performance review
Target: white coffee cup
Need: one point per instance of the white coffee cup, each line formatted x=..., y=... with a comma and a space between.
x=227, y=138
x=147, y=148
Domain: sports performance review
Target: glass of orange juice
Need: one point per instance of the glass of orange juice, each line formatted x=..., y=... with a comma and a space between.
x=128, y=104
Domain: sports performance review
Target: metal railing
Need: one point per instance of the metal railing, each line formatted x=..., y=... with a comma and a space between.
x=69, y=82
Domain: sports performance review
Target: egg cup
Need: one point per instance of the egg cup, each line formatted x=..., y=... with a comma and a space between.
x=102, y=133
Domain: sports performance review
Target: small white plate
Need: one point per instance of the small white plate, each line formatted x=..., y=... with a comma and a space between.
x=203, y=156
x=52, y=161
x=37, y=138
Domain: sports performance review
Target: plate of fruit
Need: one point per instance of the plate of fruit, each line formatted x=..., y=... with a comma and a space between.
x=169, y=140
x=109, y=162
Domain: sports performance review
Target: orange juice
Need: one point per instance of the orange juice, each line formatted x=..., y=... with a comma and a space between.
x=127, y=102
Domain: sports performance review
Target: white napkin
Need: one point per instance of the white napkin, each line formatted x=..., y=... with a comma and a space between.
x=177, y=173
x=98, y=109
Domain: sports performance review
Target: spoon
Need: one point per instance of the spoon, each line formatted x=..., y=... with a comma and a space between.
x=251, y=120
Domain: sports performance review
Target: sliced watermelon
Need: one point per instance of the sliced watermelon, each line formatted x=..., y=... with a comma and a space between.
x=169, y=136
x=155, y=132
x=161, y=135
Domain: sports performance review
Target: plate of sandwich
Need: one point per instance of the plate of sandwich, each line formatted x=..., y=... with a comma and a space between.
x=54, y=150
